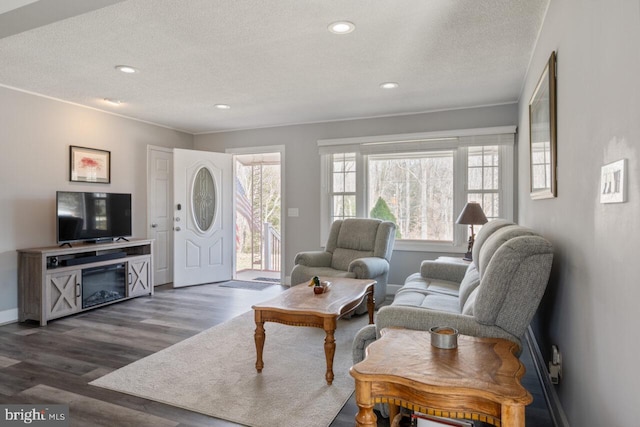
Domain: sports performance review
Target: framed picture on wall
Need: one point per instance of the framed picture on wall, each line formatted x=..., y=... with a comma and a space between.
x=542, y=134
x=613, y=177
x=89, y=165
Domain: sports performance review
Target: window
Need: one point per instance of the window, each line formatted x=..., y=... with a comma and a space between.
x=418, y=182
x=415, y=191
x=483, y=179
x=343, y=185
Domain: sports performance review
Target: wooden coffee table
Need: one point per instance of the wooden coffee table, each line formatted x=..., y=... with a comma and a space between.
x=480, y=380
x=299, y=306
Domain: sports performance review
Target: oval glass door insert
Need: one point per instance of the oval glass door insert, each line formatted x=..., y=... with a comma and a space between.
x=203, y=199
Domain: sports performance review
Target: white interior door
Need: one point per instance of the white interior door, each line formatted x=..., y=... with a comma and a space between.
x=160, y=212
x=203, y=217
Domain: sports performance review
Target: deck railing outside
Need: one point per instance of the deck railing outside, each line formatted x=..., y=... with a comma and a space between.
x=271, y=248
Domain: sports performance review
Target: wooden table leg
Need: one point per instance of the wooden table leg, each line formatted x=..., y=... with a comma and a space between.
x=259, y=338
x=365, y=416
x=371, y=304
x=393, y=411
x=512, y=416
x=329, y=352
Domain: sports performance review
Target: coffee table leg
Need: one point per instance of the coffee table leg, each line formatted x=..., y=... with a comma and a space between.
x=259, y=338
x=371, y=304
x=365, y=416
x=329, y=352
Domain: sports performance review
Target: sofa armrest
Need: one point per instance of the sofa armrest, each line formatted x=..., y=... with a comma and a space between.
x=313, y=259
x=441, y=270
x=423, y=319
x=369, y=267
x=363, y=338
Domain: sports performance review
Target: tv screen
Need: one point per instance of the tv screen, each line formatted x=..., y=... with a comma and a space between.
x=92, y=216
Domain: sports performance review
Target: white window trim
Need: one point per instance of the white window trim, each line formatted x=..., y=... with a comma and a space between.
x=414, y=142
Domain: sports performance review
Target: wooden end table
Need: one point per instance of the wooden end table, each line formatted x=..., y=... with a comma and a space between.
x=299, y=306
x=480, y=380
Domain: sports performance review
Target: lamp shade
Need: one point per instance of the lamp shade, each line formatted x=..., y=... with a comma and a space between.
x=472, y=214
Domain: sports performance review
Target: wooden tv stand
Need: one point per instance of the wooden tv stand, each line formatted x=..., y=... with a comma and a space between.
x=50, y=279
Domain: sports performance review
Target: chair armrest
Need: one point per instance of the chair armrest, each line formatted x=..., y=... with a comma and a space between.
x=313, y=259
x=369, y=267
x=422, y=319
x=442, y=270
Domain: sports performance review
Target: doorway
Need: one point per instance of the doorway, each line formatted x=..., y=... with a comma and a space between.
x=190, y=215
x=259, y=237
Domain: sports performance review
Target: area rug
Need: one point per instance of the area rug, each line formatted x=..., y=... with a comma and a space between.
x=267, y=279
x=241, y=284
x=214, y=373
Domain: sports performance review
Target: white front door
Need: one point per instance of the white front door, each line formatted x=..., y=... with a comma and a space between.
x=160, y=211
x=203, y=217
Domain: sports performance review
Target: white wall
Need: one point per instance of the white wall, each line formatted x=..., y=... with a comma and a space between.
x=35, y=135
x=302, y=166
x=591, y=307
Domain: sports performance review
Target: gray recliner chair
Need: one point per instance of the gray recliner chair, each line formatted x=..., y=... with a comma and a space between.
x=357, y=248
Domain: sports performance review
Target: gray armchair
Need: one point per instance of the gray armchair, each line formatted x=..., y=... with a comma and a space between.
x=357, y=248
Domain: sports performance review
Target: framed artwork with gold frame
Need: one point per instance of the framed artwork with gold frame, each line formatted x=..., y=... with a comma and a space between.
x=542, y=134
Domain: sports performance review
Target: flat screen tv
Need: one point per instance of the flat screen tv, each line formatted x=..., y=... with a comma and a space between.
x=92, y=217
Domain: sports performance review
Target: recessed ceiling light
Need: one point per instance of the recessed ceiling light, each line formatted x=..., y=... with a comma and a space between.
x=389, y=85
x=112, y=101
x=126, y=69
x=222, y=106
x=341, y=27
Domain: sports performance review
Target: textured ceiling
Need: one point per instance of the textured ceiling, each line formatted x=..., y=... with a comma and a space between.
x=275, y=62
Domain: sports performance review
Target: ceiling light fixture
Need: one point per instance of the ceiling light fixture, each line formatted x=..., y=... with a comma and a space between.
x=223, y=106
x=389, y=85
x=126, y=69
x=341, y=27
x=111, y=101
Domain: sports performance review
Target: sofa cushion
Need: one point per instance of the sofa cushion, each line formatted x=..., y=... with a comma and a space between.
x=469, y=283
x=441, y=303
x=342, y=257
x=416, y=282
x=496, y=240
x=483, y=234
x=516, y=275
x=308, y=272
x=467, y=309
x=359, y=235
x=446, y=303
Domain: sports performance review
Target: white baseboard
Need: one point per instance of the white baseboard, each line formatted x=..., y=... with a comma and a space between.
x=8, y=316
x=553, y=402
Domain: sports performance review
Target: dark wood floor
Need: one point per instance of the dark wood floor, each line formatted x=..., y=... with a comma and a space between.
x=55, y=363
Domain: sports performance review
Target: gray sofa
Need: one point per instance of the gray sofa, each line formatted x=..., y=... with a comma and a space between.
x=357, y=248
x=496, y=295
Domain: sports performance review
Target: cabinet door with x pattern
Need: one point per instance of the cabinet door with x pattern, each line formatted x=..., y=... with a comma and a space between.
x=63, y=293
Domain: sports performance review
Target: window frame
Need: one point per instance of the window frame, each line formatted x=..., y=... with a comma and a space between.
x=455, y=141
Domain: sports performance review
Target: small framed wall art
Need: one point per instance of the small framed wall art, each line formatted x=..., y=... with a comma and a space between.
x=89, y=165
x=542, y=134
x=613, y=188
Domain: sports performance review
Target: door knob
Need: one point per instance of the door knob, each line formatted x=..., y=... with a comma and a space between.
x=154, y=225
x=177, y=228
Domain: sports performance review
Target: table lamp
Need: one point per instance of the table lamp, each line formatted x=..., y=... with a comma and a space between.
x=471, y=214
